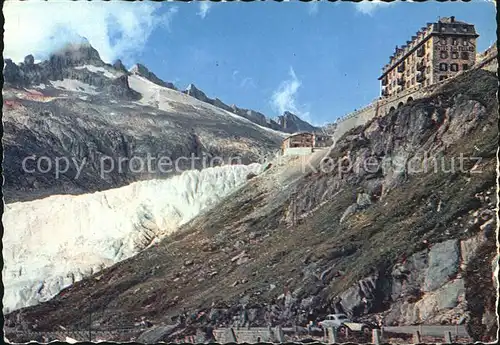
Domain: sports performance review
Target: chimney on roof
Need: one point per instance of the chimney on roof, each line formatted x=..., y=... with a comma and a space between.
x=452, y=19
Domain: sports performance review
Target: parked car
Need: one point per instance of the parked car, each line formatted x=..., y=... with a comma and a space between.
x=342, y=323
x=334, y=320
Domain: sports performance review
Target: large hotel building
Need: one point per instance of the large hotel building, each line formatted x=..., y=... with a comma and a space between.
x=438, y=51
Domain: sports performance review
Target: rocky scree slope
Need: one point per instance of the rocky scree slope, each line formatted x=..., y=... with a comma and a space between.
x=291, y=247
x=74, y=105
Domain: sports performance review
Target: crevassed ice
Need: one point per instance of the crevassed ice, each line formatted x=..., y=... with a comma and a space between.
x=52, y=242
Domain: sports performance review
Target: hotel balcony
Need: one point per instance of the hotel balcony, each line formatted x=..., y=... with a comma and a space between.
x=401, y=67
x=421, y=51
x=420, y=66
x=385, y=92
x=401, y=81
x=384, y=81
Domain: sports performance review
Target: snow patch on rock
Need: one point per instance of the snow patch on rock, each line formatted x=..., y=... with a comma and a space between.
x=74, y=85
x=100, y=70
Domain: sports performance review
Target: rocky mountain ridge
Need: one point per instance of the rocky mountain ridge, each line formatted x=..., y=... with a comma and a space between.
x=61, y=65
x=287, y=122
x=75, y=108
x=331, y=234
x=143, y=71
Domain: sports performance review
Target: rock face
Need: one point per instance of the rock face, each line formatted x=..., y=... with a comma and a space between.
x=381, y=261
x=443, y=264
x=193, y=91
x=118, y=65
x=142, y=71
x=292, y=123
x=69, y=63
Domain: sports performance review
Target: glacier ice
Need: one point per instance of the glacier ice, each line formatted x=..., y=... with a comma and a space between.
x=52, y=242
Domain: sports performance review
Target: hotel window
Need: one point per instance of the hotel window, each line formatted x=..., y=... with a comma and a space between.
x=465, y=42
x=454, y=67
x=442, y=41
x=443, y=67
x=465, y=67
x=454, y=42
x=444, y=55
x=454, y=55
x=464, y=29
x=465, y=55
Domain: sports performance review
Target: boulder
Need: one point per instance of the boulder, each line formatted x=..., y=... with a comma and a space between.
x=348, y=212
x=438, y=302
x=450, y=294
x=468, y=249
x=409, y=275
x=363, y=200
x=488, y=228
x=353, y=299
x=442, y=305
x=443, y=264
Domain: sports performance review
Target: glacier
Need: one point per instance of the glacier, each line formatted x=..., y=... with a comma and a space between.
x=53, y=242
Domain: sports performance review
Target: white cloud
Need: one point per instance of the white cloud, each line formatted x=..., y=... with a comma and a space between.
x=115, y=29
x=247, y=82
x=313, y=8
x=204, y=8
x=285, y=97
x=369, y=7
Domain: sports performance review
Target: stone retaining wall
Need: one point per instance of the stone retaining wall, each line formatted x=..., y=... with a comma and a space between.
x=244, y=335
x=382, y=106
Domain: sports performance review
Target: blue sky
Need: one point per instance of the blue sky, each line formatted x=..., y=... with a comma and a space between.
x=320, y=61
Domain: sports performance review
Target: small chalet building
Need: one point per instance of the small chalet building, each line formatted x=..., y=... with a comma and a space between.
x=304, y=143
